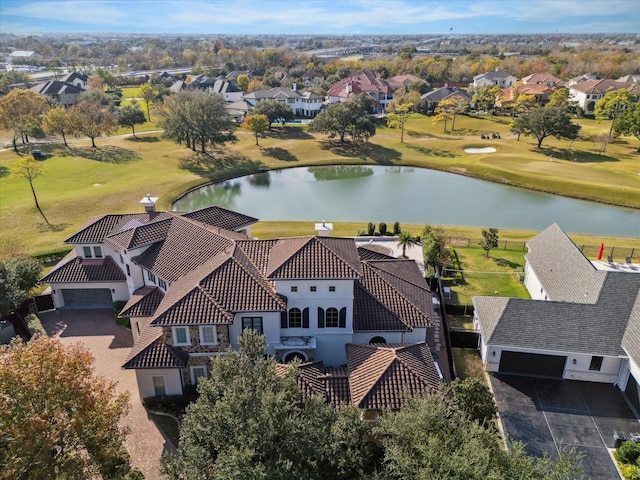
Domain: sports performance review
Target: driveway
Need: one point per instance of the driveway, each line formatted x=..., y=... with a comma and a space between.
x=110, y=344
x=547, y=415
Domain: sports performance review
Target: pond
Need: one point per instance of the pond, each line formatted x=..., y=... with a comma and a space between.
x=358, y=193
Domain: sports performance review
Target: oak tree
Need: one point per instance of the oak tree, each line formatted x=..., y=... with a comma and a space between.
x=256, y=124
x=613, y=105
x=545, y=122
x=629, y=122
x=93, y=119
x=59, y=419
x=57, y=122
x=397, y=111
x=21, y=113
x=352, y=117
x=130, y=116
x=274, y=110
x=18, y=276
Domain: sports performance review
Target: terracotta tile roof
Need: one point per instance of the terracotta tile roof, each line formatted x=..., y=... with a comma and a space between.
x=84, y=270
x=336, y=382
x=143, y=302
x=213, y=292
x=374, y=252
x=541, y=77
x=369, y=314
x=97, y=229
x=151, y=351
x=400, y=289
x=313, y=257
x=258, y=252
x=139, y=235
x=186, y=246
x=363, y=81
x=599, y=86
x=380, y=376
x=221, y=217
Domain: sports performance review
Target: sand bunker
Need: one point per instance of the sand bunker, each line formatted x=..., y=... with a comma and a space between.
x=480, y=150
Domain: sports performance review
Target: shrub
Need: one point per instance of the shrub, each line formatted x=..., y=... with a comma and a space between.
x=52, y=256
x=396, y=228
x=382, y=228
x=34, y=325
x=371, y=228
x=628, y=452
x=117, y=308
x=630, y=472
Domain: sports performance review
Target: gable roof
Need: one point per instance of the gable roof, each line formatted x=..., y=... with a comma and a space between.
x=493, y=75
x=56, y=87
x=600, y=87
x=221, y=217
x=79, y=270
x=97, y=229
x=151, y=351
x=381, y=376
x=596, y=329
x=363, y=81
x=446, y=92
x=143, y=302
x=541, y=77
x=565, y=273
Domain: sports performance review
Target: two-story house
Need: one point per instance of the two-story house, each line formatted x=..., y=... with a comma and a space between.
x=302, y=104
x=363, y=82
x=194, y=281
x=493, y=78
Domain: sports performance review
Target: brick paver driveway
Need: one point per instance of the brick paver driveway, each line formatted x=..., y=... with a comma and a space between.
x=110, y=344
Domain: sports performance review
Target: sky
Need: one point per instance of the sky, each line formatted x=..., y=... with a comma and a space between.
x=337, y=17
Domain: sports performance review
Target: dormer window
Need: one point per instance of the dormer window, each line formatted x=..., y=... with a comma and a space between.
x=162, y=284
x=181, y=336
x=97, y=251
x=87, y=252
x=151, y=277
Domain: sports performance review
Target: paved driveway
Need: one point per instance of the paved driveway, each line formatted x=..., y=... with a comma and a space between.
x=110, y=344
x=547, y=415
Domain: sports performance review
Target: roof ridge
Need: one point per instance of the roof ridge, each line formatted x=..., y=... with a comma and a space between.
x=259, y=278
x=384, y=306
x=212, y=299
x=400, y=294
x=387, y=357
x=392, y=260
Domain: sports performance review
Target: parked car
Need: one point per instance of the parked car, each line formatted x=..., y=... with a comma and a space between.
x=38, y=154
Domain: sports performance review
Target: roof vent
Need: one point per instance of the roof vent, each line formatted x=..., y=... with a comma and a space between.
x=149, y=203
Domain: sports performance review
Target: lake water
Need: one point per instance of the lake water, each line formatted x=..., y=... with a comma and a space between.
x=406, y=195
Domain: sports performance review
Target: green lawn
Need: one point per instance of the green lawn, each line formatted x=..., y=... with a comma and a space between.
x=498, y=275
x=81, y=182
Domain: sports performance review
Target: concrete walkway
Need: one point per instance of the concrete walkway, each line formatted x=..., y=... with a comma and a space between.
x=110, y=344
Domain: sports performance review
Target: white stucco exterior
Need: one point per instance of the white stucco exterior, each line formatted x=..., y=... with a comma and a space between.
x=171, y=376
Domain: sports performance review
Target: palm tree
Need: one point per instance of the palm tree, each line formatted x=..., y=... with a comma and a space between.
x=405, y=239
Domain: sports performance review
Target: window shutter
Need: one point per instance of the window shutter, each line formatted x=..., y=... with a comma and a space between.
x=320, y=317
x=305, y=318
x=283, y=319
x=343, y=318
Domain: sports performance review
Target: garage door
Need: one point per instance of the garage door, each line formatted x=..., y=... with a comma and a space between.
x=532, y=364
x=87, y=298
x=632, y=392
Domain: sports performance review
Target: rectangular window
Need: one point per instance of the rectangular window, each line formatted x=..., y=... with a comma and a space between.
x=252, y=322
x=197, y=373
x=159, y=386
x=97, y=251
x=596, y=363
x=162, y=284
x=151, y=277
x=208, y=335
x=332, y=288
x=294, y=288
x=312, y=288
x=181, y=336
x=128, y=270
x=87, y=252
x=121, y=259
x=331, y=318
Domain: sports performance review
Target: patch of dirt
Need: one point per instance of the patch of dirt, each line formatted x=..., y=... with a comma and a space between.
x=461, y=170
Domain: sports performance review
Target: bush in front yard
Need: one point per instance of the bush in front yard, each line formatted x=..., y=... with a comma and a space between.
x=628, y=452
x=117, y=308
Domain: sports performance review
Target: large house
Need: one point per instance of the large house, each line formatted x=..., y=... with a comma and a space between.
x=542, y=78
x=493, y=78
x=431, y=99
x=586, y=94
x=303, y=104
x=194, y=281
x=66, y=94
x=363, y=82
x=581, y=323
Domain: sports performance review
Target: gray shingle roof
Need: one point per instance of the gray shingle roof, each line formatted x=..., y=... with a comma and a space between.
x=631, y=338
x=565, y=273
x=80, y=270
x=595, y=329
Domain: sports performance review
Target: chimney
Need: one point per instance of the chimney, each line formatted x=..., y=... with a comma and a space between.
x=149, y=203
x=294, y=87
x=349, y=87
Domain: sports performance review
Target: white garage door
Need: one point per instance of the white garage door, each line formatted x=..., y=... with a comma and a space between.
x=87, y=298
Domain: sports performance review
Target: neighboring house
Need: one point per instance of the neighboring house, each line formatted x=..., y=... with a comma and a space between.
x=629, y=79
x=194, y=281
x=491, y=79
x=227, y=90
x=23, y=56
x=363, y=82
x=302, y=104
x=582, y=78
x=581, y=323
x=200, y=82
x=78, y=79
x=539, y=91
x=542, y=78
x=238, y=110
x=403, y=81
x=310, y=78
x=431, y=99
x=376, y=377
x=66, y=94
x=586, y=94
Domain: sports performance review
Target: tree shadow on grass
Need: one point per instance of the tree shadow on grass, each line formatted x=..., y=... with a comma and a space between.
x=279, y=154
x=149, y=139
x=433, y=152
x=577, y=156
x=54, y=227
x=219, y=165
x=363, y=151
x=106, y=154
x=4, y=171
x=287, y=132
x=503, y=262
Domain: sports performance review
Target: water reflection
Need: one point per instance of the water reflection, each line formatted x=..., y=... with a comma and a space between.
x=340, y=172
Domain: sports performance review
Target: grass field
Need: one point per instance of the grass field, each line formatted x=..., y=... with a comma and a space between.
x=81, y=182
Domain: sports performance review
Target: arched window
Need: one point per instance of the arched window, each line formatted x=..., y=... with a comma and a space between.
x=378, y=340
x=291, y=356
x=295, y=318
x=331, y=317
